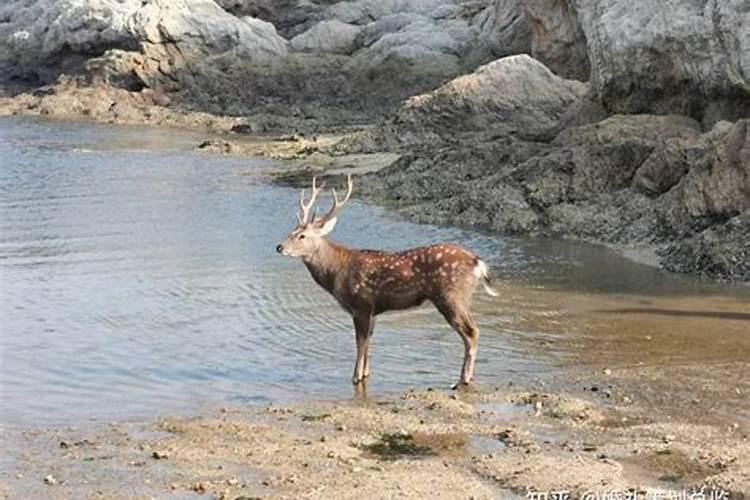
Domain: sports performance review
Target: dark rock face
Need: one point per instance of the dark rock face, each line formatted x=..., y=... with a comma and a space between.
x=719, y=251
x=687, y=57
x=634, y=180
x=549, y=30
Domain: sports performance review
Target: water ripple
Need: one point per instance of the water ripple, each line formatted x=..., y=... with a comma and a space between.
x=137, y=278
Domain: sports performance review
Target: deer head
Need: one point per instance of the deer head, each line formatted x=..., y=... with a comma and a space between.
x=304, y=240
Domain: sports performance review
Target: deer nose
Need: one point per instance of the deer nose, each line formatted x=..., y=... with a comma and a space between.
x=279, y=248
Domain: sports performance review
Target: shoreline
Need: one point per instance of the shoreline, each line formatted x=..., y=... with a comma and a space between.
x=497, y=443
x=667, y=414
x=297, y=157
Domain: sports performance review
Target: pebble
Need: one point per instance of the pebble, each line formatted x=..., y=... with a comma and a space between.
x=233, y=482
x=331, y=454
x=340, y=427
x=160, y=455
x=50, y=479
x=607, y=371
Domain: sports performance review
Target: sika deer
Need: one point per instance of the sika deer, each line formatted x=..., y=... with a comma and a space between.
x=368, y=282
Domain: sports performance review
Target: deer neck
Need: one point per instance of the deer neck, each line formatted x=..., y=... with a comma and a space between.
x=327, y=263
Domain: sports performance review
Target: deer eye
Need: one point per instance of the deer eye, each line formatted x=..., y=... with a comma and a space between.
x=301, y=237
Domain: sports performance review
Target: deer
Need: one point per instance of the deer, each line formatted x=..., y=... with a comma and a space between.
x=367, y=283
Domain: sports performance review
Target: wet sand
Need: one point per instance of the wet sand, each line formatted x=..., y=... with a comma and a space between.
x=650, y=395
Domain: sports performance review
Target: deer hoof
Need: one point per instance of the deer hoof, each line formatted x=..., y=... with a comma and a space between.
x=357, y=380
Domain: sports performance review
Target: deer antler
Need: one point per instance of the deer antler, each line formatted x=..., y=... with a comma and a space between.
x=339, y=204
x=304, y=214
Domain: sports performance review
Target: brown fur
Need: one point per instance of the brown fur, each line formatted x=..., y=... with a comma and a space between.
x=369, y=282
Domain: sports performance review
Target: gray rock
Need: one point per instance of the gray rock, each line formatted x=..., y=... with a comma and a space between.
x=514, y=94
x=721, y=251
x=40, y=30
x=412, y=36
x=648, y=128
x=682, y=57
x=504, y=28
x=290, y=17
x=416, y=40
x=375, y=30
x=549, y=30
x=366, y=11
x=54, y=32
x=200, y=27
x=557, y=38
x=719, y=189
x=328, y=37
x=664, y=168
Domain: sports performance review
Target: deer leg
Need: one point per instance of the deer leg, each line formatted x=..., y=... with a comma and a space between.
x=361, y=330
x=462, y=322
x=471, y=343
x=366, y=372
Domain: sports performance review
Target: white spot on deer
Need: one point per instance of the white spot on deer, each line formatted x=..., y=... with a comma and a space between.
x=439, y=256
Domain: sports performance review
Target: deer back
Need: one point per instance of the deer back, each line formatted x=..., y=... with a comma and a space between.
x=399, y=280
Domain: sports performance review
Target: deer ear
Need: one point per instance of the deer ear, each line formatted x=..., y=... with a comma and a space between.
x=328, y=226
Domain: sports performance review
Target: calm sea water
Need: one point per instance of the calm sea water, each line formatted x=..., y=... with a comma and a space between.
x=139, y=279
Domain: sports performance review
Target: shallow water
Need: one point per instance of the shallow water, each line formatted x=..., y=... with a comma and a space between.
x=140, y=279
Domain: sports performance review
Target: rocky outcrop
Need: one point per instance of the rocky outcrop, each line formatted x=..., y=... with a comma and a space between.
x=328, y=37
x=682, y=57
x=494, y=149
x=366, y=11
x=515, y=95
x=548, y=30
x=290, y=17
x=46, y=33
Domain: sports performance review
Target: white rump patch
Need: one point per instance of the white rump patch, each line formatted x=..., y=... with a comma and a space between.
x=482, y=273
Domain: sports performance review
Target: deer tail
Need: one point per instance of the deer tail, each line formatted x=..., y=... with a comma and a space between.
x=482, y=273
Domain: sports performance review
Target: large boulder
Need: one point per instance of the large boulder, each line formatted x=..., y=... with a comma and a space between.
x=290, y=17
x=689, y=57
x=53, y=32
x=365, y=11
x=719, y=188
x=515, y=94
x=328, y=37
x=423, y=38
x=37, y=31
x=202, y=27
x=721, y=251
